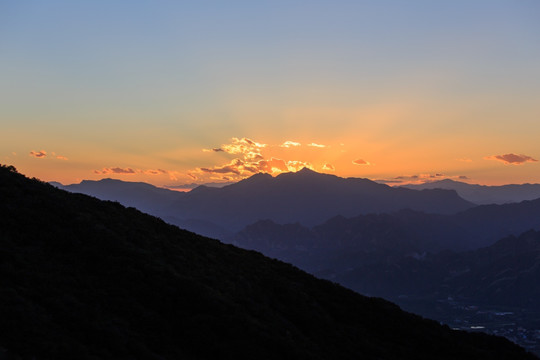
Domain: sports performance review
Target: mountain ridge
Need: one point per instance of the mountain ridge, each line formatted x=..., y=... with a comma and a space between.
x=484, y=194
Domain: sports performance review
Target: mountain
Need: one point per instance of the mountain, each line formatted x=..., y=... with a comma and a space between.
x=147, y=198
x=505, y=273
x=341, y=243
x=143, y=196
x=306, y=197
x=88, y=279
x=482, y=194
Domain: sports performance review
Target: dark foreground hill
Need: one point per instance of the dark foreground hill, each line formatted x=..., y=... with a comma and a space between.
x=87, y=279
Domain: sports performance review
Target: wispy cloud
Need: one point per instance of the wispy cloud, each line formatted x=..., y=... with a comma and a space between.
x=154, y=172
x=421, y=178
x=513, y=159
x=316, y=145
x=173, y=175
x=115, y=170
x=60, y=157
x=38, y=154
x=288, y=144
x=360, y=162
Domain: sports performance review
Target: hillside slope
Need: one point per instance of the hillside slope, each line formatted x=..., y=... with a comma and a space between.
x=88, y=279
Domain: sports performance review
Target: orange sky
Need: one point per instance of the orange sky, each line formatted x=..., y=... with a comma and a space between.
x=385, y=90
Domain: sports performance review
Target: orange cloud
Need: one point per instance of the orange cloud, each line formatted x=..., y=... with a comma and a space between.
x=155, y=172
x=234, y=167
x=328, y=167
x=511, y=158
x=250, y=160
x=296, y=165
x=38, y=154
x=421, y=178
x=60, y=157
x=316, y=145
x=115, y=170
x=249, y=149
x=360, y=162
x=272, y=165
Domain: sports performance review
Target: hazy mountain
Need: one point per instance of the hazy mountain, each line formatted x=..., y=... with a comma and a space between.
x=482, y=194
x=306, y=197
x=87, y=279
x=147, y=198
x=341, y=243
x=143, y=196
x=505, y=273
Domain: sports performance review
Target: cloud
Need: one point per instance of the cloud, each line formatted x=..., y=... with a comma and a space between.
x=360, y=162
x=296, y=165
x=234, y=167
x=115, y=170
x=154, y=172
x=316, y=145
x=249, y=160
x=249, y=149
x=38, y=154
x=288, y=144
x=421, y=178
x=511, y=158
x=328, y=167
x=60, y=157
x=242, y=168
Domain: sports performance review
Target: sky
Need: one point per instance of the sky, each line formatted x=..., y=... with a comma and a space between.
x=180, y=92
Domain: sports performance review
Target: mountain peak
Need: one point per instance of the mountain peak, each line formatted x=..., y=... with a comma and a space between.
x=306, y=170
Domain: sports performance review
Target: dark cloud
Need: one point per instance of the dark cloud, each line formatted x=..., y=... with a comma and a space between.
x=38, y=154
x=513, y=159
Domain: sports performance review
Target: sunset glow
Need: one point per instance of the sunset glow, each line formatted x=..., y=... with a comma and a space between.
x=175, y=93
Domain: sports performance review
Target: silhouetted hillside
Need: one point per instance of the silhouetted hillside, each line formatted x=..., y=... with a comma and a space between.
x=483, y=194
x=147, y=198
x=87, y=279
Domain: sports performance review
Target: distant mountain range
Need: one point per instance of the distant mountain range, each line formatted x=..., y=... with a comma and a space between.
x=505, y=273
x=305, y=196
x=402, y=233
x=482, y=194
x=87, y=279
